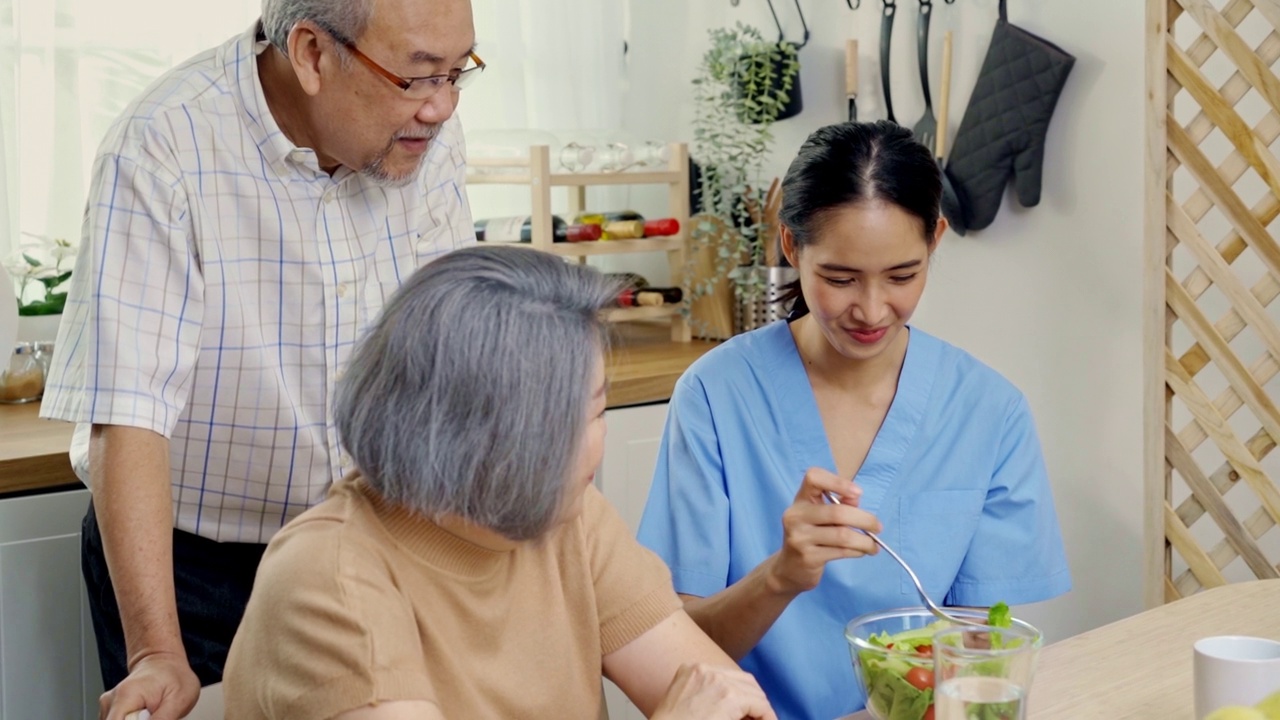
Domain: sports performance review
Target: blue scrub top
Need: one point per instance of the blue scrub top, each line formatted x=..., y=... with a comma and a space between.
x=955, y=474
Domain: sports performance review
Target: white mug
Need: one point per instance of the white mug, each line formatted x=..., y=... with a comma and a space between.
x=1234, y=670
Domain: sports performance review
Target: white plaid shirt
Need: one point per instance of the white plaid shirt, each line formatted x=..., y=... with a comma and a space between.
x=222, y=283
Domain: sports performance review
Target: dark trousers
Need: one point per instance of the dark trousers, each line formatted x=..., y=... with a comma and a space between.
x=212, y=580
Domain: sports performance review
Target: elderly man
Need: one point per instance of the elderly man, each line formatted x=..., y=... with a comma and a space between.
x=249, y=215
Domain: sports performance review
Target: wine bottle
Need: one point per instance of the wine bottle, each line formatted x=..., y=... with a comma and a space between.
x=628, y=224
x=519, y=229
x=649, y=297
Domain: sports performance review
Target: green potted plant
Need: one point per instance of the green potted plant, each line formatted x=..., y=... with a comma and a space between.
x=742, y=85
x=39, y=272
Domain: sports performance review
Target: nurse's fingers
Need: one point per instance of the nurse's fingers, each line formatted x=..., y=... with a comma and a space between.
x=817, y=481
x=838, y=516
x=842, y=542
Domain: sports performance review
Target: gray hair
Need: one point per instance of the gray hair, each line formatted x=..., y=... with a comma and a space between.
x=469, y=395
x=345, y=19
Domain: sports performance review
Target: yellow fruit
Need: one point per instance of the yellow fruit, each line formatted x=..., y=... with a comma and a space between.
x=1270, y=706
x=1236, y=712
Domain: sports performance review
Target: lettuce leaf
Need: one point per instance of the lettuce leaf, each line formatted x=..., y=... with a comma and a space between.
x=999, y=616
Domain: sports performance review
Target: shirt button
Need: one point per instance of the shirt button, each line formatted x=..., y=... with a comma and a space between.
x=342, y=290
x=329, y=196
x=344, y=459
x=337, y=376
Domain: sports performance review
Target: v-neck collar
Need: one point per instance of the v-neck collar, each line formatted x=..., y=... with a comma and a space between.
x=808, y=436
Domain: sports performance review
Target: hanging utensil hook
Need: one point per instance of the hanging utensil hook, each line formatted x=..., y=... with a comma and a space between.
x=781, y=35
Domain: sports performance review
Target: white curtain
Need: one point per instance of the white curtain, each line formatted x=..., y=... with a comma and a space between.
x=553, y=65
x=556, y=66
x=67, y=69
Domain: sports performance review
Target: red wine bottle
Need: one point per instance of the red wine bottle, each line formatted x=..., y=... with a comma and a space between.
x=519, y=229
x=627, y=224
x=649, y=297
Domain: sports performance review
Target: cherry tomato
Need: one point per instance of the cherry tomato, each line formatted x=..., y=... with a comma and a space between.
x=920, y=678
x=925, y=651
x=928, y=714
x=889, y=646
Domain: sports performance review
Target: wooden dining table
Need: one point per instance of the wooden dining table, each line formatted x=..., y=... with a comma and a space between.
x=1139, y=668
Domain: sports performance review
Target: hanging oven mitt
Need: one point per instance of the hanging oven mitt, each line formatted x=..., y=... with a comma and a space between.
x=1003, y=130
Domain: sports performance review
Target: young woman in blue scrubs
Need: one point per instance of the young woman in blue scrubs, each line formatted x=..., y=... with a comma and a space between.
x=941, y=449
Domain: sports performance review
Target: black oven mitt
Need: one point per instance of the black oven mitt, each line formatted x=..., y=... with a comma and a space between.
x=1003, y=130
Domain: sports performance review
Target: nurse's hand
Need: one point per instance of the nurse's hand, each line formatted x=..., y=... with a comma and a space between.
x=706, y=692
x=815, y=532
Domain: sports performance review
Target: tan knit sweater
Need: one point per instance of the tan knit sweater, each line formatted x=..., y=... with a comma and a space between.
x=358, y=602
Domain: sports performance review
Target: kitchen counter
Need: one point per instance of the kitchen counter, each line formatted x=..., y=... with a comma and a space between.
x=642, y=367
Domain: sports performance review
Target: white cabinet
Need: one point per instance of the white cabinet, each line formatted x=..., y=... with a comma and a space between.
x=48, y=659
x=630, y=455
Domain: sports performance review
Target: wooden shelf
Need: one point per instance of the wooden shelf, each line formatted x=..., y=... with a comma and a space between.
x=641, y=313
x=615, y=247
x=664, y=177
x=534, y=172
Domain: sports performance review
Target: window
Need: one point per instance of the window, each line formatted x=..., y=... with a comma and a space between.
x=67, y=69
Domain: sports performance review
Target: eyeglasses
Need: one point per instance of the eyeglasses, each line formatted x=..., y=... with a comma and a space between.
x=420, y=88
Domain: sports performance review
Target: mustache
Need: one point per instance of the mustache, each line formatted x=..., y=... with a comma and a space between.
x=428, y=133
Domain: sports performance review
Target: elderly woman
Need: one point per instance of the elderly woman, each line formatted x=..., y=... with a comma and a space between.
x=470, y=570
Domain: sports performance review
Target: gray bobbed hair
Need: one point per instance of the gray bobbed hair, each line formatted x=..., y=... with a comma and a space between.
x=469, y=396
x=347, y=19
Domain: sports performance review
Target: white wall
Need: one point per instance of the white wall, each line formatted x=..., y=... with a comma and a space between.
x=1051, y=295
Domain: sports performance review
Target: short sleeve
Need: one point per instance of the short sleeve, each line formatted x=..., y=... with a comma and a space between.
x=323, y=633
x=632, y=586
x=130, y=334
x=686, y=519
x=1016, y=555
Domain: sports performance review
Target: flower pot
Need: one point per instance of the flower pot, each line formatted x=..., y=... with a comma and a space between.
x=794, y=103
x=38, y=328
x=794, y=98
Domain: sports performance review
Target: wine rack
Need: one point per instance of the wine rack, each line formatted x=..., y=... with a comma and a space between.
x=535, y=172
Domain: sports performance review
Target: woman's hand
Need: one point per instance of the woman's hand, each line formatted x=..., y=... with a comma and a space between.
x=815, y=532
x=706, y=692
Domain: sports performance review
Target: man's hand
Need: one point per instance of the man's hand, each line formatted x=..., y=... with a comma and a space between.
x=162, y=684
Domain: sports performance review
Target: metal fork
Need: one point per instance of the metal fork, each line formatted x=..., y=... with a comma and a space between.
x=933, y=607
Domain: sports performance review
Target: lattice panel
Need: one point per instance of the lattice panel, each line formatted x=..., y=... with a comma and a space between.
x=1216, y=202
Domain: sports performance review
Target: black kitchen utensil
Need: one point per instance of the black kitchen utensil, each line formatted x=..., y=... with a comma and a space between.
x=886, y=39
x=1003, y=132
x=926, y=130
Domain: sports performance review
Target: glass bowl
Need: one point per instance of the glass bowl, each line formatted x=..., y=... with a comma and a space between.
x=891, y=688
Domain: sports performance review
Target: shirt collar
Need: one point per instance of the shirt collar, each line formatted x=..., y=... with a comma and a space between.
x=240, y=62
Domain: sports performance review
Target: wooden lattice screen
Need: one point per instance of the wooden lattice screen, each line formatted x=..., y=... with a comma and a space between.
x=1212, y=274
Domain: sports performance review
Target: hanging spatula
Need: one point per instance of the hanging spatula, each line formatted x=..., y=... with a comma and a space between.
x=886, y=39
x=951, y=209
x=926, y=131
x=851, y=77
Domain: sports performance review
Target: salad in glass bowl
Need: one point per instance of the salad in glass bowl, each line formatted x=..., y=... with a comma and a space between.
x=892, y=654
